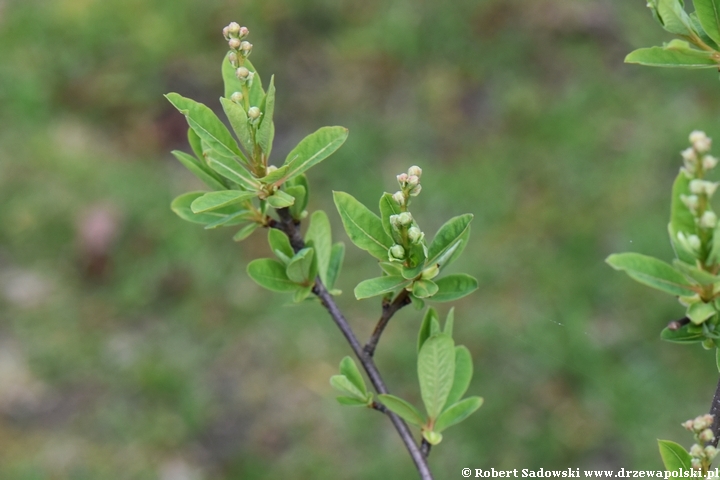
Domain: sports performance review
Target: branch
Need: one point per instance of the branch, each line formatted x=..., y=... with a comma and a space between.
x=715, y=412
x=425, y=447
x=388, y=310
x=288, y=225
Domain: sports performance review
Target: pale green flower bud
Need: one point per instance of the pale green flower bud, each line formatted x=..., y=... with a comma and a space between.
x=254, y=113
x=701, y=423
x=415, y=170
x=688, y=425
x=226, y=33
x=399, y=198
x=708, y=219
x=709, y=162
x=710, y=452
x=690, y=201
x=242, y=73
x=433, y=438
x=233, y=59
x=396, y=252
x=416, y=190
x=402, y=179
x=234, y=43
x=404, y=219
x=415, y=235
x=696, y=463
x=270, y=169
x=689, y=155
x=690, y=242
x=700, y=142
x=430, y=272
x=707, y=434
x=697, y=451
x=243, y=32
x=233, y=28
x=708, y=344
x=237, y=97
x=246, y=48
x=413, y=180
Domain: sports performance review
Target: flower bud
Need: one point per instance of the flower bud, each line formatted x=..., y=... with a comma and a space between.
x=242, y=73
x=430, y=272
x=690, y=242
x=688, y=425
x=399, y=198
x=236, y=97
x=708, y=219
x=243, y=32
x=706, y=435
x=710, y=452
x=254, y=113
x=433, y=438
x=415, y=170
x=416, y=190
x=413, y=180
x=415, y=235
x=690, y=201
x=246, y=48
x=234, y=43
x=404, y=219
x=270, y=169
x=402, y=179
x=700, y=142
x=233, y=28
x=226, y=33
x=697, y=451
x=708, y=344
x=396, y=252
x=700, y=423
x=709, y=162
x=689, y=155
x=233, y=59
x=696, y=463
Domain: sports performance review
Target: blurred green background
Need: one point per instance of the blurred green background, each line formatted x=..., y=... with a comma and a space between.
x=134, y=346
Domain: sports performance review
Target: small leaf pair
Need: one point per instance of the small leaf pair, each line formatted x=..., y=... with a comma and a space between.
x=352, y=385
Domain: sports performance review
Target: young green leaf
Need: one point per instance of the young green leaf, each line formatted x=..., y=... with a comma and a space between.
x=695, y=274
x=651, y=272
x=215, y=200
x=448, y=236
x=453, y=287
x=436, y=370
x=298, y=187
x=337, y=255
x=232, y=170
x=200, y=170
x=240, y=124
x=245, y=232
x=389, y=207
x=351, y=402
x=280, y=243
x=674, y=18
x=299, y=270
x=432, y=437
x=424, y=288
x=302, y=293
x=280, y=199
x=232, y=219
x=315, y=148
x=319, y=236
x=700, y=312
x=207, y=125
x=674, y=456
x=463, y=375
x=677, y=53
x=344, y=385
x=449, y=323
x=195, y=144
x=362, y=226
x=270, y=274
x=275, y=176
x=681, y=335
x=457, y=413
x=430, y=326
x=403, y=409
x=266, y=130
x=350, y=370
x=708, y=13
x=181, y=207
x=379, y=285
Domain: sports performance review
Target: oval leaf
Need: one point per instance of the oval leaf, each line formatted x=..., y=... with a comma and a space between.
x=200, y=170
x=337, y=255
x=379, y=285
x=223, y=198
x=362, y=226
x=351, y=371
x=319, y=237
x=651, y=272
x=315, y=148
x=676, y=54
x=463, y=375
x=457, y=413
x=453, y=287
x=424, y=288
x=299, y=269
x=280, y=243
x=402, y=409
x=674, y=456
x=436, y=371
x=270, y=274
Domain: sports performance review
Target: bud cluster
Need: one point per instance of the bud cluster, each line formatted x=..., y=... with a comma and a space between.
x=240, y=49
x=406, y=232
x=701, y=452
x=696, y=163
x=409, y=186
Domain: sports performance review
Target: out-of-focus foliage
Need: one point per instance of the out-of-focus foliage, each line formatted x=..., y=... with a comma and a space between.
x=134, y=346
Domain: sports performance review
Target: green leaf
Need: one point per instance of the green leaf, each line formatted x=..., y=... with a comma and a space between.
x=240, y=124
x=344, y=385
x=302, y=293
x=232, y=170
x=677, y=53
x=424, y=288
x=362, y=226
x=389, y=207
x=315, y=148
x=350, y=370
x=280, y=243
x=232, y=84
x=457, y=413
x=455, y=251
x=379, y=285
x=207, y=125
x=681, y=218
x=337, y=255
x=195, y=144
x=682, y=335
x=430, y=326
x=270, y=274
x=449, y=322
x=436, y=370
x=717, y=358
x=714, y=256
x=266, y=130
x=453, y=287
x=275, y=176
x=232, y=219
x=674, y=456
x=245, y=232
x=351, y=402
x=319, y=236
x=710, y=17
x=463, y=375
x=280, y=199
x=673, y=16
x=299, y=269
x=433, y=438
x=402, y=409
x=418, y=303
x=695, y=274
x=651, y=272
x=200, y=170
x=181, y=207
x=391, y=268
x=223, y=198
x=448, y=235
x=700, y=312
x=298, y=187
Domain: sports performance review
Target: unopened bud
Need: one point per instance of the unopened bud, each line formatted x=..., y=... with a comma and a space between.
x=413, y=180
x=415, y=234
x=698, y=187
x=253, y=113
x=234, y=43
x=700, y=142
x=242, y=73
x=709, y=162
x=246, y=48
x=433, y=438
x=236, y=97
x=233, y=28
x=689, y=154
x=708, y=344
x=688, y=425
x=415, y=170
x=396, y=252
x=243, y=32
x=430, y=272
x=226, y=33
x=696, y=463
x=399, y=198
x=711, y=452
x=271, y=169
x=416, y=190
x=233, y=59
x=697, y=451
x=700, y=424
x=690, y=201
x=708, y=219
x=706, y=435
x=402, y=179
x=404, y=219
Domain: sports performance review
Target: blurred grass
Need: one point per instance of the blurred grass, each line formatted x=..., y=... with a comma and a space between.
x=152, y=355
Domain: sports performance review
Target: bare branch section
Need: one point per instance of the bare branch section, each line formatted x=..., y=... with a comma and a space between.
x=715, y=412
x=388, y=310
x=288, y=225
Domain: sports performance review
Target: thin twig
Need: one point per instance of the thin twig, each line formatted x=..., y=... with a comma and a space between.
x=425, y=447
x=288, y=225
x=715, y=412
x=388, y=310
